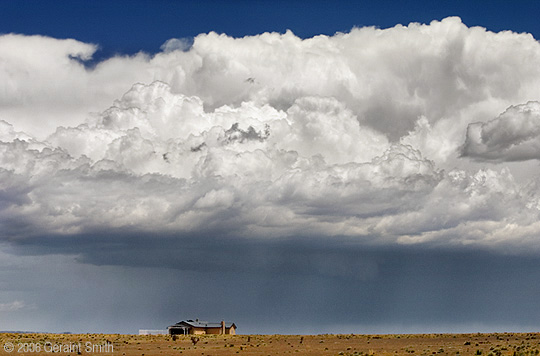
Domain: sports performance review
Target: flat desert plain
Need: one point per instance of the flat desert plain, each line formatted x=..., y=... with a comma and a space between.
x=351, y=344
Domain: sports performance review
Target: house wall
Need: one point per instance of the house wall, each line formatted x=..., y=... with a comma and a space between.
x=197, y=331
x=202, y=330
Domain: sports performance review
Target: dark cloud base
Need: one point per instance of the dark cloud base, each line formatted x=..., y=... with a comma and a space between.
x=308, y=285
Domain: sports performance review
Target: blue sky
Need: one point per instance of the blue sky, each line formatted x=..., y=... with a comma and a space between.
x=138, y=25
x=368, y=181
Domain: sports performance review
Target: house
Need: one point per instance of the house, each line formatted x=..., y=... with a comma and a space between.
x=197, y=327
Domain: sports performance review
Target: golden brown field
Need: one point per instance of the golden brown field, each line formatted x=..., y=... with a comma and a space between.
x=135, y=345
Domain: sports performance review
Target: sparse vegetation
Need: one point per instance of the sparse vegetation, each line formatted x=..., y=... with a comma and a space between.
x=317, y=345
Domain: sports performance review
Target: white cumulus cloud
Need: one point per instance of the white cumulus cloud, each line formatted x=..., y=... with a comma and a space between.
x=512, y=136
x=359, y=134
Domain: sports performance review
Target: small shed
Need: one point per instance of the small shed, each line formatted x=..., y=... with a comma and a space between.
x=152, y=332
x=198, y=327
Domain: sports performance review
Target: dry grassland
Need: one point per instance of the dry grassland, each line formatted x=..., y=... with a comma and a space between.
x=246, y=345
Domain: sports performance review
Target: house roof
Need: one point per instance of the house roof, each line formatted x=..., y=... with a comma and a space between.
x=201, y=324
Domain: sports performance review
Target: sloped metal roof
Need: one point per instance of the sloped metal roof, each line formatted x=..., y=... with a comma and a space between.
x=202, y=324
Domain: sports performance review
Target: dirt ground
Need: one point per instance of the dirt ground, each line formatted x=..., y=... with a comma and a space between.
x=245, y=345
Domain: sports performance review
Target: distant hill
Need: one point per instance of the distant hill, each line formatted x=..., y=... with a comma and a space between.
x=30, y=332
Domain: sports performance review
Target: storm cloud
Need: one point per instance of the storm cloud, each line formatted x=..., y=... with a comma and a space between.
x=271, y=155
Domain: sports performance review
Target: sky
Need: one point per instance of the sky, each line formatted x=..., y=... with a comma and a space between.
x=291, y=167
